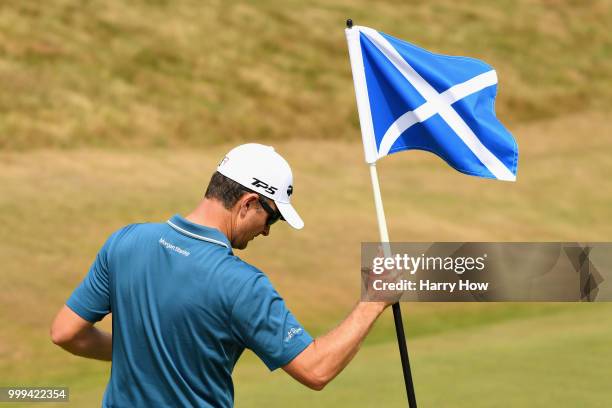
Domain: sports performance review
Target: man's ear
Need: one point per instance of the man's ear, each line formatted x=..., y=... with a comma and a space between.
x=245, y=202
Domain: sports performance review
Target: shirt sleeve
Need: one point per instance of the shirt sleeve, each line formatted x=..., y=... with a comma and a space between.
x=91, y=299
x=262, y=323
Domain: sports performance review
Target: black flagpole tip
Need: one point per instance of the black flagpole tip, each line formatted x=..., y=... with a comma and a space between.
x=349, y=23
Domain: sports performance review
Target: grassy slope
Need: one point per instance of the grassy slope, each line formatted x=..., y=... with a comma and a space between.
x=167, y=73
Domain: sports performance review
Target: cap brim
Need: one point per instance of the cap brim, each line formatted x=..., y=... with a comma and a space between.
x=290, y=215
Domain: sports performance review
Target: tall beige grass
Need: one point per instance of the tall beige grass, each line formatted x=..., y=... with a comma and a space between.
x=185, y=73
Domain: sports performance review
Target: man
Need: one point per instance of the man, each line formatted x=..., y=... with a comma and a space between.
x=185, y=307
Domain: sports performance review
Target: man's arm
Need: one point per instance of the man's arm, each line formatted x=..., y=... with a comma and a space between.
x=78, y=336
x=327, y=355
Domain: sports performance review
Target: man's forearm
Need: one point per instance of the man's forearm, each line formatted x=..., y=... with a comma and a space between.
x=91, y=343
x=327, y=356
x=338, y=347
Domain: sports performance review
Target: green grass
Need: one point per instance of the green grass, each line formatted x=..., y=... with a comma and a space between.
x=186, y=73
x=537, y=362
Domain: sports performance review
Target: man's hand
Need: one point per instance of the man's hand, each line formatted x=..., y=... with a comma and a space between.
x=78, y=336
x=376, y=286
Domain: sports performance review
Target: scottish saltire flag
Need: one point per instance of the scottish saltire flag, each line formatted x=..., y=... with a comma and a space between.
x=410, y=98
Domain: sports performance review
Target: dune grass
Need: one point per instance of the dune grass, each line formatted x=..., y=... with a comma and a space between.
x=186, y=73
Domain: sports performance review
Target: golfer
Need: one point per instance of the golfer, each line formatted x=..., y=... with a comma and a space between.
x=185, y=306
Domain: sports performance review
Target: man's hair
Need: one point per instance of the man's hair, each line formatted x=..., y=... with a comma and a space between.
x=225, y=190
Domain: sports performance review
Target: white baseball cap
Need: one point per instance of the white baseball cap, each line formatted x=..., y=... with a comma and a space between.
x=261, y=169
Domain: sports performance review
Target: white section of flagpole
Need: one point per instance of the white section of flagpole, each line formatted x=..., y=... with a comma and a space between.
x=380, y=212
x=397, y=311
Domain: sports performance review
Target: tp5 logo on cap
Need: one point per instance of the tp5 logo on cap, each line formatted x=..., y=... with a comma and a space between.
x=258, y=183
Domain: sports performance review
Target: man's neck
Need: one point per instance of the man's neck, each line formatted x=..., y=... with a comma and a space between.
x=212, y=213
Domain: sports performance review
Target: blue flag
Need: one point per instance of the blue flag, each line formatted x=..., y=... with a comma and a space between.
x=409, y=98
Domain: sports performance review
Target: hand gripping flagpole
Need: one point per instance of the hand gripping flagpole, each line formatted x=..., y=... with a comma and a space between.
x=384, y=238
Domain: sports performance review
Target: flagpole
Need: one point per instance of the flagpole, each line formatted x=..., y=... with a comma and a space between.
x=371, y=154
x=397, y=311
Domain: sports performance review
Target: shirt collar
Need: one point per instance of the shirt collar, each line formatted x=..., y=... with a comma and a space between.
x=198, y=231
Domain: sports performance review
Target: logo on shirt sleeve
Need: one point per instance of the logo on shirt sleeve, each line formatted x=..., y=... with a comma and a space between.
x=293, y=332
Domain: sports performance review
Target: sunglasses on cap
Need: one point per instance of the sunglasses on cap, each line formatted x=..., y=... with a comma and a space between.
x=273, y=216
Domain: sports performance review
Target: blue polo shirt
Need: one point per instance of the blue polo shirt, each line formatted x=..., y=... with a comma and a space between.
x=184, y=309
